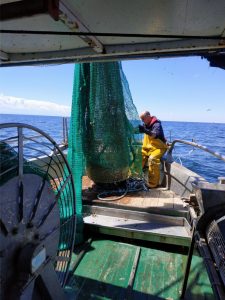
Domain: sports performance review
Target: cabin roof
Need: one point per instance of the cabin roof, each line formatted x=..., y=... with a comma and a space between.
x=102, y=30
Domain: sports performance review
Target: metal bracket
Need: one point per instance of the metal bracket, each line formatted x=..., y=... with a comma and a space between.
x=3, y=55
x=74, y=23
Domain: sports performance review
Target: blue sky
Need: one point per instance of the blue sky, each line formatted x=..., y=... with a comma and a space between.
x=175, y=89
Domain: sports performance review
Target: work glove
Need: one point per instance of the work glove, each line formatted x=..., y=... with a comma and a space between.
x=141, y=128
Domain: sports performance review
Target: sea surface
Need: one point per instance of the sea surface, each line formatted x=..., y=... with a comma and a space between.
x=211, y=135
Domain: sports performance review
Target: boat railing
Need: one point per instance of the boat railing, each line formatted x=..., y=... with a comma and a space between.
x=65, y=131
x=63, y=144
x=169, y=157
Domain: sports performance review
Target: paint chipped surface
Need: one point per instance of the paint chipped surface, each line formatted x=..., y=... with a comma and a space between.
x=105, y=270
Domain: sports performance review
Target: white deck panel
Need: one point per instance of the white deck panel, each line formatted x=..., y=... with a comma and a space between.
x=131, y=224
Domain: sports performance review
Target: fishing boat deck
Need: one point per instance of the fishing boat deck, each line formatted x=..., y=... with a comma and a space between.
x=157, y=215
x=153, y=200
x=111, y=269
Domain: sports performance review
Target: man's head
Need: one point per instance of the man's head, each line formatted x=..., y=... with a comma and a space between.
x=146, y=117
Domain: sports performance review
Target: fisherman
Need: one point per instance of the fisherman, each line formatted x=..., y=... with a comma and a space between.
x=153, y=148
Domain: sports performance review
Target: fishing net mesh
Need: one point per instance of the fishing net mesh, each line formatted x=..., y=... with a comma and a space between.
x=102, y=139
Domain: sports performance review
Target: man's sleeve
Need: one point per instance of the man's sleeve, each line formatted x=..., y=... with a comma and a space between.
x=156, y=129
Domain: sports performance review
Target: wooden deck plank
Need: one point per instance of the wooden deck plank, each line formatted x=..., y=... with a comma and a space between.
x=150, y=202
x=157, y=198
x=165, y=202
x=178, y=203
x=158, y=274
x=105, y=269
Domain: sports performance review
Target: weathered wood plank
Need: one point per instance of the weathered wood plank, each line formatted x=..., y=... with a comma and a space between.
x=105, y=269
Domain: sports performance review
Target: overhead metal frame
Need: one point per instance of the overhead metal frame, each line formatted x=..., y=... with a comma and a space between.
x=117, y=52
x=74, y=23
x=83, y=43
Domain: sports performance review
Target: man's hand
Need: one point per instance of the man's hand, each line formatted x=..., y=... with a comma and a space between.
x=141, y=128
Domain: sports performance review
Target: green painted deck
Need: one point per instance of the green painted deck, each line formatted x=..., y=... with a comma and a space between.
x=105, y=272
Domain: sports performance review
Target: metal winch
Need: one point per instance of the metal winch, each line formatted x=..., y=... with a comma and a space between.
x=215, y=235
x=209, y=235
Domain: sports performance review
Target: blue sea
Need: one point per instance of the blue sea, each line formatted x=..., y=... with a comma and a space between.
x=211, y=135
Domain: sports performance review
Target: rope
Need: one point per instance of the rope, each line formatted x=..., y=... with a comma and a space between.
x=108, y=195
x=132, y=185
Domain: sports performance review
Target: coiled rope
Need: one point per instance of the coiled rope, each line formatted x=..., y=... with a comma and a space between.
x=132, y=185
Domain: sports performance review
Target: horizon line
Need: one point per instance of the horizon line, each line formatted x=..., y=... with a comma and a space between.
x=60, y=116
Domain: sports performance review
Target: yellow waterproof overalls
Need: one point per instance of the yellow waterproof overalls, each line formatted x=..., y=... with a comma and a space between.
x=152, y=151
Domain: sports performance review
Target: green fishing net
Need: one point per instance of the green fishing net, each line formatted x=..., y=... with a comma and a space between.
x=102, y=139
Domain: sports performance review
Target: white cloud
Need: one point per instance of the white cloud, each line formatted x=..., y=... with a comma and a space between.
x=15, y=105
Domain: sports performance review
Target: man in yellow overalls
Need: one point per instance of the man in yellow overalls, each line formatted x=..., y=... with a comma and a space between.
x=153, y=148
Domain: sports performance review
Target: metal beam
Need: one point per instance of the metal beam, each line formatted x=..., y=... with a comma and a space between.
x=3, y=55
x=174, y=48
x=74, y=23
x=74, y=26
